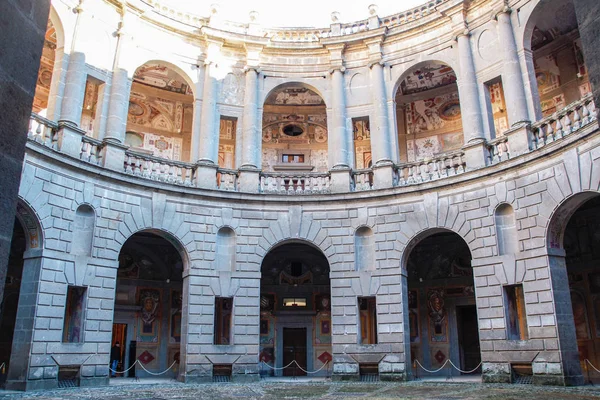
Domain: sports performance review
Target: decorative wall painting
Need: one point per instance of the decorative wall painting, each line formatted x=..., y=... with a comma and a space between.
x=438, y=321
x=437, y=114
x=149, y=315
x=163, y=146
x=547, y=74
x=427, y=77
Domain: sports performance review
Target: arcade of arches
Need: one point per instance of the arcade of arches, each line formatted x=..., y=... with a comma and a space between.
x=368, y=228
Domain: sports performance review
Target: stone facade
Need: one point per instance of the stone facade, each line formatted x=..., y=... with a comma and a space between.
x=542, y=180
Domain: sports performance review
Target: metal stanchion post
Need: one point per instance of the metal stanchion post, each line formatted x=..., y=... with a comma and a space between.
x=416, y=367
x=449, y=378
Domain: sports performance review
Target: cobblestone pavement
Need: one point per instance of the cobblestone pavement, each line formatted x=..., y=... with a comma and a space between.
x=317, y=390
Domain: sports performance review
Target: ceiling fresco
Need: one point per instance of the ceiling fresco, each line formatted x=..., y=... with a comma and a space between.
x=554, y=20
x=294, y=95
x=429, y=76
x=161, y=77
x=44, y=80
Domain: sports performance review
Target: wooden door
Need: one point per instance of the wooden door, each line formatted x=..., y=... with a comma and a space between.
x=468, y=337
x=294, y=348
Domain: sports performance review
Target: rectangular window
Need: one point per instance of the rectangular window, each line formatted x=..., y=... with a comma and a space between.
x=367, y=308
x=294, y=302
x=223, y=316
x=515, y=311
x=362, y=142
x=292, y=158
x=74, y=315
x=227, y=142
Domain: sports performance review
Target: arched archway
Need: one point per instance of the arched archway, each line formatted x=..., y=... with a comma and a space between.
x=295, y=310
x=294, y=130
x=428, y=112
x=21, y=285
x=148, y=305
x=442, y=312
x=161, y=110
x=573, y=240
x=556, y=65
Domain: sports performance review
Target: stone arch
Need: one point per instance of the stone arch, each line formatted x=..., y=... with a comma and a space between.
x=183, y=251
x=189, y=79
x=422, y=60
x=423, y=234
x=560, y=216
x=30, y=222
x=282, y=242
x=320, y=91
x=58, y=27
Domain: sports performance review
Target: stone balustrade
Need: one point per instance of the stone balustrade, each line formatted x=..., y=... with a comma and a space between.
x=564, y=122
x=572, y=118
x=227, y=179
x=411, y=15
x=91, y=150
x=354, y=27
x=498, y=149
x=441, y=166
x=298, y=35
x=159, y=169
x=43, y=131
x=362, y=179
x=295, y=183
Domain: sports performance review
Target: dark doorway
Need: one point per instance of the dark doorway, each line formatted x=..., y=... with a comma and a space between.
x=119, y=334
x=468, y=337
x=294, y=348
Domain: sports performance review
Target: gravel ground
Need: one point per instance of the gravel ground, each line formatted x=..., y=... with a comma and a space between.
x=317, y=390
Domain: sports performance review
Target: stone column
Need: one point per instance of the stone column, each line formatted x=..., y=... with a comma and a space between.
x=251, y=135
x=472, y=122
x=381, y=143
x=120, y=90
x=196, y=122
x=338, y=150
x=512, y=76
x=75, y=78
x=208, y=151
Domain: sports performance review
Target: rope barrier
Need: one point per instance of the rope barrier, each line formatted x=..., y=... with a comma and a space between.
x=298, y=365
x=465, y=372
x=432, y=372
x=312, y=372
x=159, y=373
x=592, y=365
x=278, y=368
x=144, y=368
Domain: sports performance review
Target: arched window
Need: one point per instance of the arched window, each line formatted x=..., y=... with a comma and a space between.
x=83, y=231
x=506, y=232
x=364, y=249
x=225, y=259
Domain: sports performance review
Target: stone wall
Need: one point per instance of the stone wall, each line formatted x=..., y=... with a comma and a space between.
x=535, y=185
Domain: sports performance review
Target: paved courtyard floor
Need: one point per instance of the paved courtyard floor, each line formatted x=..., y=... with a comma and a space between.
x=157, y=390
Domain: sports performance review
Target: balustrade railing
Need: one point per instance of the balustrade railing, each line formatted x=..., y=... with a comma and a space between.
x=159, y=169
x=564, y=122
x=43, y=131
x=441, y=166
x=362, y=179
x=411, y=15
x=295, y=183
x=91, y=149
x=227, y=179
x=298, y=35
x=354, y=27
x=498, y=149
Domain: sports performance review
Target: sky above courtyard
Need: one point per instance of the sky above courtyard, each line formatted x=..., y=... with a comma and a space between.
x=301, y=13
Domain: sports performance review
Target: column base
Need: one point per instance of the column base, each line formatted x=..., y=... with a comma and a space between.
x=249, y=179
x=476, y=154
x=206, y=175
x=520, y=139
x=69, y=139
x=383, y=175
x=496, y=373
x=113, y=155
x=341, y=179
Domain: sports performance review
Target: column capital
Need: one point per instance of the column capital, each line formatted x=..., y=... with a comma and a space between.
x=464, y=32
x=334, y=68
x=372, y=63
x=254, y=68
x=505, y=9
